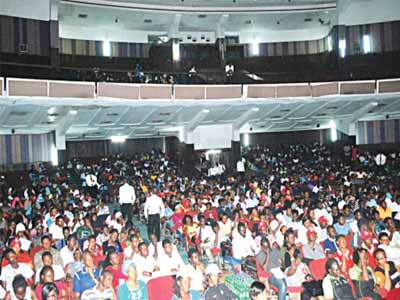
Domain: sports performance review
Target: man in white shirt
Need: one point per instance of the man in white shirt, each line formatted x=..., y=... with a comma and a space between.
x=127, y=198
x=146, y=265
x=153, y=212
x=242, y=244
x=56, y=231
x=170, y=261
x=13, y=269
x=47, y=260
x=67, y=252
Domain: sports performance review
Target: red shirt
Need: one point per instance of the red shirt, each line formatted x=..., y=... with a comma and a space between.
x=349, y=259
x=117, y=274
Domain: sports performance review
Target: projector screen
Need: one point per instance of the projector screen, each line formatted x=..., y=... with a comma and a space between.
x=207, y=137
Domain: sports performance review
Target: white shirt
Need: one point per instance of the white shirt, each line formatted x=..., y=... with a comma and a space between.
x=154, y=205
x=240, y=166
x=91, y=180
x=206, y=234
x=58, y=273
x=8, y=273
x=392, y=253
x=242, y=246
x=56, y=232
x=126, y=194
x=66, y=255
x=145, y=264
x=167, y=263
x=197, y=278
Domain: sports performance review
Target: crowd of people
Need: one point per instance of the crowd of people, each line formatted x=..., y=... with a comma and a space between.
x=311, y=222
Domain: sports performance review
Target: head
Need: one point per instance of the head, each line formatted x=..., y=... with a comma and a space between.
x=167, y=246
x=47, y=258
x=88, y=259
x=264, y=243
x=107, y=279
x=360, y=257
x=341, y=219
x=341, y=242
x=242, y=229
x=331, y=231
x=311, y=236
x=384, y=239
x=77, y=255
x=46, y=243
x=380, y=257
x=114, y=235
x=47, y=274
x=332, y=267
x=129, y=269
x=153, y=239
x=143, y=249
x=19, y=286
x=49, y=291
x=114, y=259
x=194, y=256
x=258, y=291
x=290, y=237
x=11, y=257
x=182, y=285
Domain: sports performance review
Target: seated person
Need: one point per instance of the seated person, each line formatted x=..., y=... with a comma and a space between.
x=362, y=275
x=216, y=288
x=344, y=255
x=269, y=260
x=386, y=273
x=392, y=253
x=335, y=285
x=182, y=286
x=313, y=250
x=330, y=243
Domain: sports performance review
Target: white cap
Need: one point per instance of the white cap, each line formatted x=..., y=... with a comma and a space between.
x=20, y=227
x=118, y=214
x=213, y=269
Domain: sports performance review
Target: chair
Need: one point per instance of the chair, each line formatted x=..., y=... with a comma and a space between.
x=317, y=268
x=161, y=288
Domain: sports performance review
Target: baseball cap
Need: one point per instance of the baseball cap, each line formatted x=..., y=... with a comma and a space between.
x=366, y=235
x=213, y=269
x=310, y=232
x=322, y=219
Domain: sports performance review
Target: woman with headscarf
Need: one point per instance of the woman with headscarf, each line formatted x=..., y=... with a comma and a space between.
x=132, y=289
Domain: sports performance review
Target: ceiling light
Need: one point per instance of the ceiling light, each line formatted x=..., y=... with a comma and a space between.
x=118, y=138
x=73, y=112
x=206, y=111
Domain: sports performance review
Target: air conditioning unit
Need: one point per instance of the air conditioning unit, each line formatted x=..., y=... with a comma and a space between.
x=23, y=48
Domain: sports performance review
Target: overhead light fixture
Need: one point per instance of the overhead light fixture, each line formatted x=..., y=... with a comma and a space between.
x=118, y=138
x=176, y=51
x=342, y=48
x=54, y=155
x=255, y=109
x=254, y=48
x=330, y=46
x=213, y=152
x=206, y=111
x=332, y=125
x=73, y=112
x=246, y=140
x=106, y=48
x=367, y=43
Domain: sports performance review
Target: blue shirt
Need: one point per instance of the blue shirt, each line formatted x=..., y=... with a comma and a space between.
x=330, y=245
x=83, y=281
x=342, y=229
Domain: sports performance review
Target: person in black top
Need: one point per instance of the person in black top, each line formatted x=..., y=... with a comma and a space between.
x=217, y=289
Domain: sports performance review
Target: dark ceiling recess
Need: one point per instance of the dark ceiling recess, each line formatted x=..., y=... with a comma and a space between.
x=18, y=113
x=106, y=122
x=112, y=114
x=53, y=115
x=202, y=16
x=47, y=123
x=307, y=20
x=82, y=16
x=248, y=22
x=321, y=115
x=148, y=21
x=285, y=110
x=276, y=117
x=165, y=114
x=332, y=107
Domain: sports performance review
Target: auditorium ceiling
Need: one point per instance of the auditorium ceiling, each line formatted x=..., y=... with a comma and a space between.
x=102, y=118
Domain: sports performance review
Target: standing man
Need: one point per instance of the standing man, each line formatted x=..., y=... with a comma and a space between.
x=153, y=211
x=127, y=198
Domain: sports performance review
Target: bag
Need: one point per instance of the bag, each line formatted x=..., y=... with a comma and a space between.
x=314, y=288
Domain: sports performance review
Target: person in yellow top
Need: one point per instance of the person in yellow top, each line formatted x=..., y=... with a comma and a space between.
x=384, y=211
